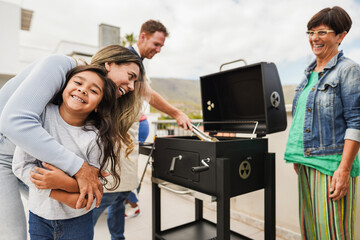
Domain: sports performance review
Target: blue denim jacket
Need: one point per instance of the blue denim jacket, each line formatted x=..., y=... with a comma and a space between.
x=332, y=108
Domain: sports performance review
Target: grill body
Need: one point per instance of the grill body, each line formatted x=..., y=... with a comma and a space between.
x=246, y=158
x=248, y=100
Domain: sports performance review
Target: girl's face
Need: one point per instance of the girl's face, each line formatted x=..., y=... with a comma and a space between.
x=83, y=93
x=124, y=76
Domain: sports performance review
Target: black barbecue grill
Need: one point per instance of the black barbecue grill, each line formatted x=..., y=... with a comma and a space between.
x=249, y=100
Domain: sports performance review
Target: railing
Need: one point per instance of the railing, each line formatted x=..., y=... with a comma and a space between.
x=162, y=128
x=170, y=128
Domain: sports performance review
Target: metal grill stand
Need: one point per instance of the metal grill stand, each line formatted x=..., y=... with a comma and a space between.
x=246, y=100
x=200, y=228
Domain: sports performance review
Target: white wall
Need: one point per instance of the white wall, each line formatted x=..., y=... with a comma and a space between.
x=10, y=24
x=14, y=56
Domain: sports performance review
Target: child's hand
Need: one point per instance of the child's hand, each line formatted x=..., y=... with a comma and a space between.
x=52, y=178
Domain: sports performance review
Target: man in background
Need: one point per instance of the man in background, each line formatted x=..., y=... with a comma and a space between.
x=151, y=40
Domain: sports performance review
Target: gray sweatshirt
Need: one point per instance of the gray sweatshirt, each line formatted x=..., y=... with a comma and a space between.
x=75, y=139
x=22, y=99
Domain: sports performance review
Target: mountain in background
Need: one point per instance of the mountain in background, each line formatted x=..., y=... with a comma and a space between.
x=185, y=94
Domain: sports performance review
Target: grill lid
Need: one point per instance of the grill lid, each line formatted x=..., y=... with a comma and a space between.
x=247, y=99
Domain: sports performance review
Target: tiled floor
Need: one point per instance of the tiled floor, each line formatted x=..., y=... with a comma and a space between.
x=175, y=210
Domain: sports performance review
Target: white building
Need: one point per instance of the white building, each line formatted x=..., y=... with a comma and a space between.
x=14, y=57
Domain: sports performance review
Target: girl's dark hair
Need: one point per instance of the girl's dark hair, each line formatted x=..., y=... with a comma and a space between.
x=108, y=137
x=336, y=18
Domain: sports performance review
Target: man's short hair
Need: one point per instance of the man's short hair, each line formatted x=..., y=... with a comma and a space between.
x=151, y=26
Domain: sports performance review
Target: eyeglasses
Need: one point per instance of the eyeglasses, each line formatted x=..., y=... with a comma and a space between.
x=320, y=33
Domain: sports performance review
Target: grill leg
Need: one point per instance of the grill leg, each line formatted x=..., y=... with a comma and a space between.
x=156, y=213
x=223, y=199
x=198, y=209
x=270, y=217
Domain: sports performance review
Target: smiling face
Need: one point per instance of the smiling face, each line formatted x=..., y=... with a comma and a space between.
x=124, y=76
x=325, y=47
x=82, y=94
x=151, y=44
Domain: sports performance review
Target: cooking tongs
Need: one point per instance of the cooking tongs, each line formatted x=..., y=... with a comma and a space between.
x=203, y=136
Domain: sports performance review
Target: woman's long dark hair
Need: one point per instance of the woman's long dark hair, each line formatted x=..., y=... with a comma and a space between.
x=108, y=137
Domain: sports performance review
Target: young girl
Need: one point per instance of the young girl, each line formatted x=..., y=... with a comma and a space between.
x=23, y=99
x=82, y=122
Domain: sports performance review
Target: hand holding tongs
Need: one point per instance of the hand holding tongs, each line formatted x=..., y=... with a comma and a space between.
x=203, y=136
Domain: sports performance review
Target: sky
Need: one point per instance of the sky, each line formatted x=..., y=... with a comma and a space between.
x=203, y=33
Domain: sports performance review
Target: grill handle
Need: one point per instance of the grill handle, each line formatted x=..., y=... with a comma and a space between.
x=239, y=60
x=172, y=166
x=202, y=168
x=199, y=169
x=163, y=186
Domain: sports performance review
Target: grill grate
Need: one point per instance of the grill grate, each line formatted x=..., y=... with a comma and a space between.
x=241, y=122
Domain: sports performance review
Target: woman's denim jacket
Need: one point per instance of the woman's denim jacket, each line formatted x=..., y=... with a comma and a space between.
x=332, y=108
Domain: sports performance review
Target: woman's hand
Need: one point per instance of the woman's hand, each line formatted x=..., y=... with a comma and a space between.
x=296, y=168
x=53, y=178
x=89, y=185
x=340, y=183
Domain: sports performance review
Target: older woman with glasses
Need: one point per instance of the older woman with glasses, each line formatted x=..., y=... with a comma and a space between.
x=324, y=138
